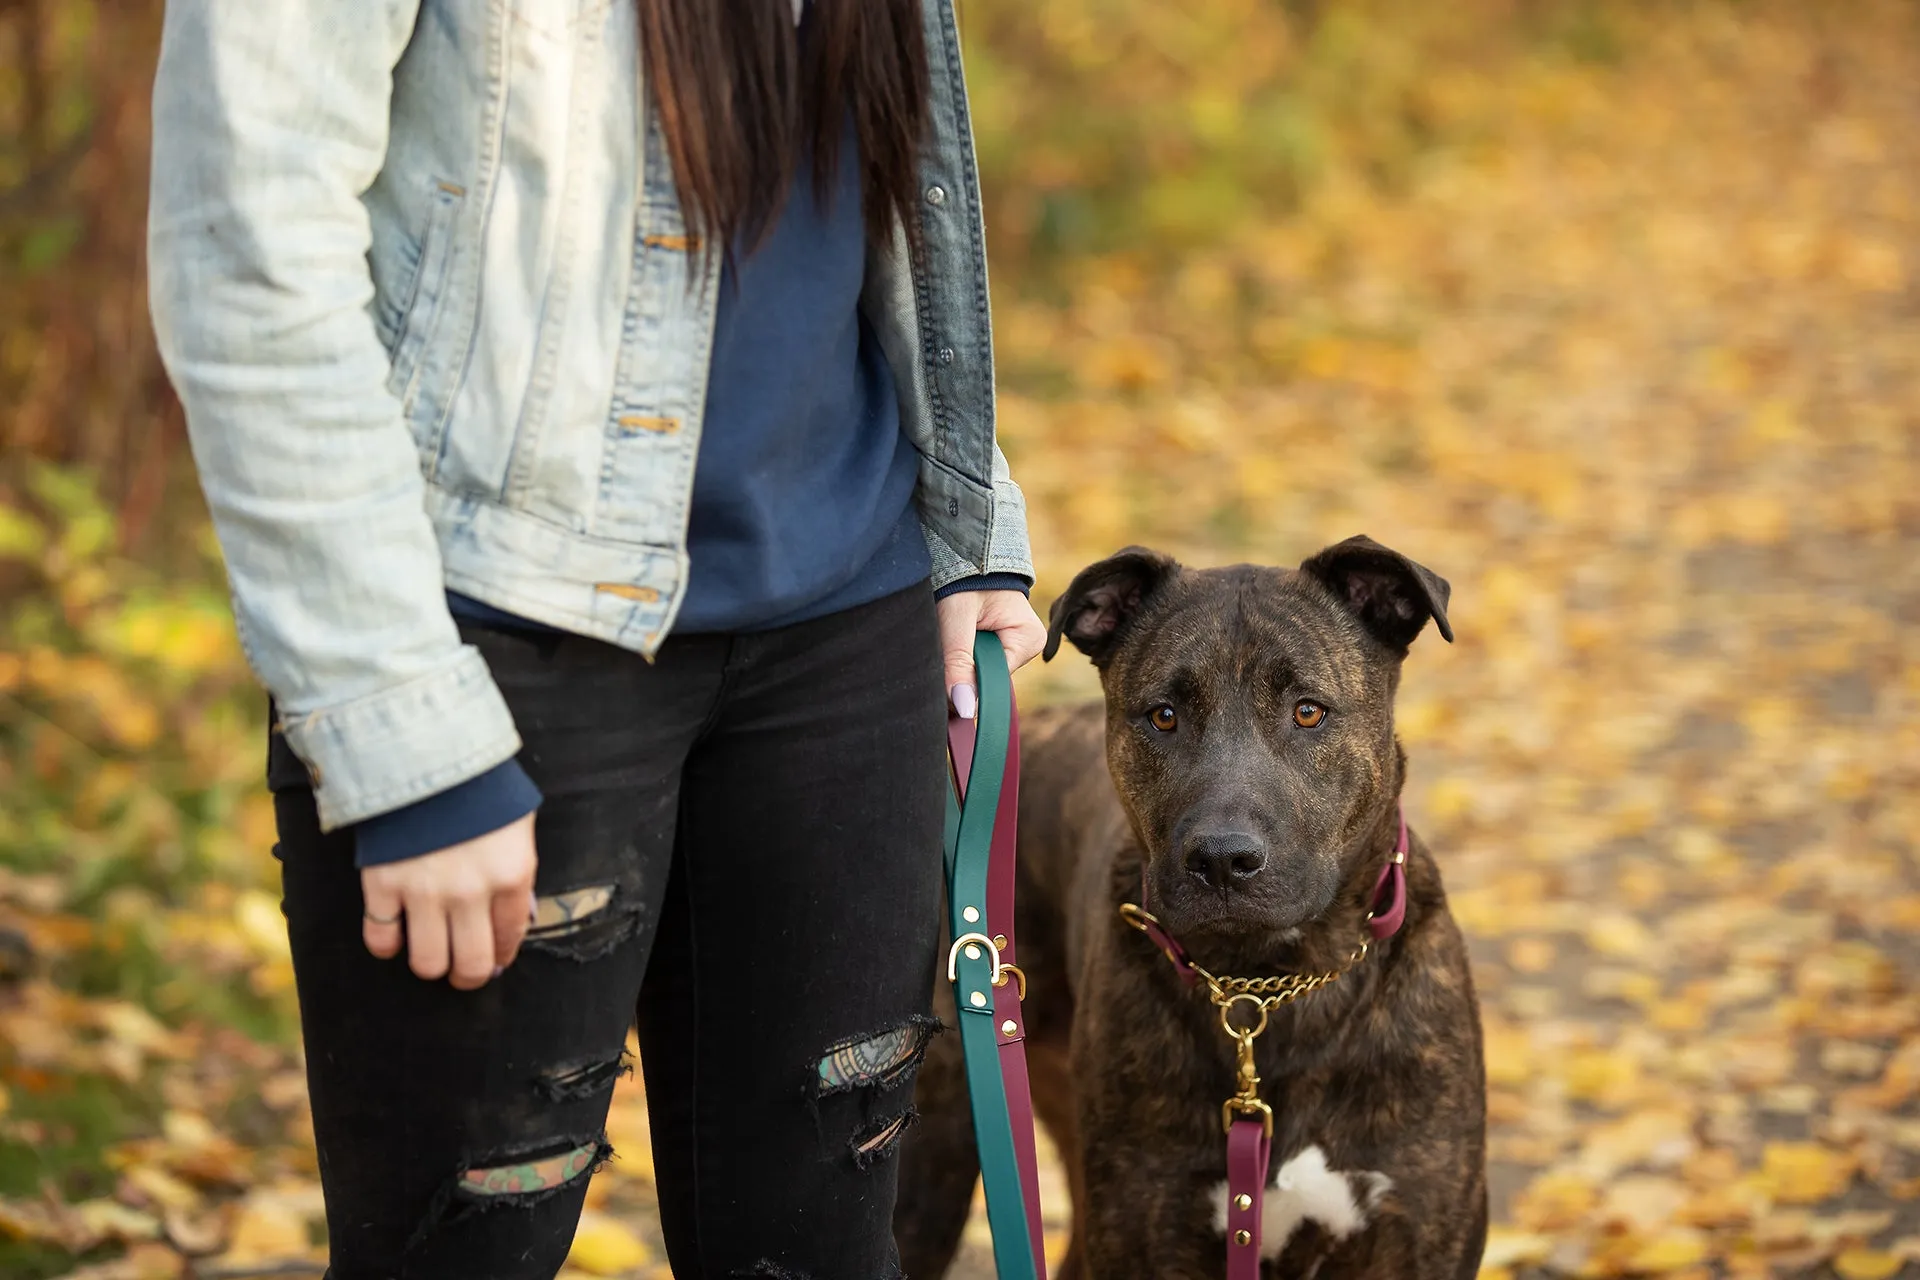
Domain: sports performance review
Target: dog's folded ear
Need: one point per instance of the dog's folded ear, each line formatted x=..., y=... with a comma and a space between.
x=1391, y=595
x=1104, y=598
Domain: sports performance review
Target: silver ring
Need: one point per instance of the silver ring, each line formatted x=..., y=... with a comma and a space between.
x=381, y=919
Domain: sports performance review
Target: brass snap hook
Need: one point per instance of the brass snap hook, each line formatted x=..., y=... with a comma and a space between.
x=1246, y=1107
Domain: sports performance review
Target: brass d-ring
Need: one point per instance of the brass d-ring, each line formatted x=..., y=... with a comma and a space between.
x=977, y=940
x=1020, y=978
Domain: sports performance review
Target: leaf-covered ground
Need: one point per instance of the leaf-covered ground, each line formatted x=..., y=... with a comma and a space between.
x=1613, y=319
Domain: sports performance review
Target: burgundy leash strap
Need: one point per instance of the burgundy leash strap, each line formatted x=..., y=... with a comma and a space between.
x=1007, y=998
x=1249, y=1152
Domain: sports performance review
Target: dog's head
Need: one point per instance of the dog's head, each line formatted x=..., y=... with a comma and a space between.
x=1250, y=721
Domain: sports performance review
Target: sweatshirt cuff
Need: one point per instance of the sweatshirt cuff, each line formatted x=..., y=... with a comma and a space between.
x=464, y=811
x=986, y=582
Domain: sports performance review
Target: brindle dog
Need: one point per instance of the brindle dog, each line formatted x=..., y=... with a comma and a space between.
x=1246, y=754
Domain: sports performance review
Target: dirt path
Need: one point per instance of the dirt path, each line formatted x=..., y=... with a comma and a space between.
x=1638, y=371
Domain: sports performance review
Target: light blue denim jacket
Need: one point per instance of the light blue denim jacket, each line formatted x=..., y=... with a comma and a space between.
x=420, y=277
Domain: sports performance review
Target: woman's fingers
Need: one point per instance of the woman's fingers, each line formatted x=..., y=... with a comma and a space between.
x=1021, y=632
x=466, y=907
x=427, y=941
x=511, y=916
x=959, y=621
x=1007, y=614
x=1010, y=615
x=470, y=930
x=961, y=691
x=380, y=920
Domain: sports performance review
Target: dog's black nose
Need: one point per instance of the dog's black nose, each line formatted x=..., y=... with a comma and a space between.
x=1225, y=860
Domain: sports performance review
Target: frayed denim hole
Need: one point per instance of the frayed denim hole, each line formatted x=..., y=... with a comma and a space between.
x=880, y=1141
x=576, y=1081
x=517, y=1178
x=879, y=1060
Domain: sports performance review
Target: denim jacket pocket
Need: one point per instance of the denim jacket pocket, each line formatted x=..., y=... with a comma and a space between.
x=422, y=295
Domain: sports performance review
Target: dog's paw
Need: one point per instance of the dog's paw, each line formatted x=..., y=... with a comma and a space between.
x=1304, y=1189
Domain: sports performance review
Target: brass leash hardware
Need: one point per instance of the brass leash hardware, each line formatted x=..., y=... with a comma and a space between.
x=1264, y=994
x=1247, y=1102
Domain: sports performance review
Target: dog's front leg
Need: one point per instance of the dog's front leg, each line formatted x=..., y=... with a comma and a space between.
x=1139, y=1225
x=1146, y=1164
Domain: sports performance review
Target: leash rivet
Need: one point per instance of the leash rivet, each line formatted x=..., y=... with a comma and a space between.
x=1243, y=1236
x=1009, y=1026
x=979, y=999
x=970, y=914
x=973, y=952
x=1000, y=941
x=1243, y=1202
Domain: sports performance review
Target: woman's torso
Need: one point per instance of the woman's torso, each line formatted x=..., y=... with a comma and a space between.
x=550, y=322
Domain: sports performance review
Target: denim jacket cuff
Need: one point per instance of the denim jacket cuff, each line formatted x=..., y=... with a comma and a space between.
x=1007, y=550
x=402, y=744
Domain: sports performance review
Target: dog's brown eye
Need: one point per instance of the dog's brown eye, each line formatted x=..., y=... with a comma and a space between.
x=1163, y=718
x=1308, y=715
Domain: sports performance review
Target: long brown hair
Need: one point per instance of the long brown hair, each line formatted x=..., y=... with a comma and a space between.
x=739, y=89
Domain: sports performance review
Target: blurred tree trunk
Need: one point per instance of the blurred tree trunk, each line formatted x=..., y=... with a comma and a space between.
x=80, y=382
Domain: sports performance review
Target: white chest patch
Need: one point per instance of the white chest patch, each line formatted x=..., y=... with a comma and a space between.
x=1306, y=1190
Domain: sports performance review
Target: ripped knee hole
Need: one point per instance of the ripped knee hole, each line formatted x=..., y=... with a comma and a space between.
x=573, y=1081
x=527, y=1178
x=582, y=924
x=880, y=1060
x=879, y=1142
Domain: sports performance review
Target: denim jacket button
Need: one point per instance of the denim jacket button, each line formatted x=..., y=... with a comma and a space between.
x=936, y=195
x=946, y=355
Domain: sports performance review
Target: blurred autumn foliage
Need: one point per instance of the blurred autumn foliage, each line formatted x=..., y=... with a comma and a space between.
x=1609, y=312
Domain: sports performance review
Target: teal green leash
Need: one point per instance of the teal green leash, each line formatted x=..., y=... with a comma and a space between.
x=974, y=966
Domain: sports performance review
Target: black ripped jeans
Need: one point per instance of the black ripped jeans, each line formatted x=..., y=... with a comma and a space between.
x=741, y=843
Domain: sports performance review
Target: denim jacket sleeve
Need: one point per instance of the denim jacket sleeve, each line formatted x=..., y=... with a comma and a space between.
x=1007, y=548
x=269, y=122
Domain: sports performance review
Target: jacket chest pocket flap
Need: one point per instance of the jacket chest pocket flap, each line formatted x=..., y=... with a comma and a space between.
x=423, y=293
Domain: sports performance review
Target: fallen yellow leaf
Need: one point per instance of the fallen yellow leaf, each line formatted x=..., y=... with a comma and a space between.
x=267, y=1231
x=1867, y=1264
x=604, y=1246
x=1600, y=1076
x=1555, y=1201
x=1804, y=1172
x=1509, y=1248
x=1670, y=1251
x=1617, y=934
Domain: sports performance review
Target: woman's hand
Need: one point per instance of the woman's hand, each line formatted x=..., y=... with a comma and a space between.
x=466, y=906
x=964, y=613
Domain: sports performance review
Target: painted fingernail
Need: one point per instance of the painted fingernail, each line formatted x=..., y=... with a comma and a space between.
x=965, y=701
x=497, y=971
x=533, y=907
